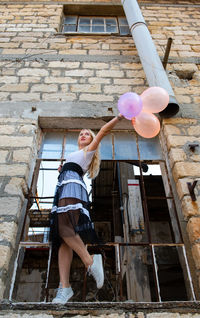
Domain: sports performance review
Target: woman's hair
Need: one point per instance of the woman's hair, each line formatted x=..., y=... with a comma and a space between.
x=95, y=163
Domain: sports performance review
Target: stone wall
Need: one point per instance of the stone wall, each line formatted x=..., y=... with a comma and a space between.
x=45, y=74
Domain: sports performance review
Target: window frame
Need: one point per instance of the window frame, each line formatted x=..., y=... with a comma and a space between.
x=78, y=17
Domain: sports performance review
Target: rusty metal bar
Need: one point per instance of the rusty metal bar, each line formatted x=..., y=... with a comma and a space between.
x=166, y=56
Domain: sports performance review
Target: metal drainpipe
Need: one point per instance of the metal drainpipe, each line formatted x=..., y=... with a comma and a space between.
x=153, y=68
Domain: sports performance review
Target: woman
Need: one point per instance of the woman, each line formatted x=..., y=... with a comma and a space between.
x=71, y=208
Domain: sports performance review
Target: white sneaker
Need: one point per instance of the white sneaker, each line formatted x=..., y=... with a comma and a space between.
x=96, y=270
x=63, y=295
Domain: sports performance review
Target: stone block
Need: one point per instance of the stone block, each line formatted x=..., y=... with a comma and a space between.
x=4, y=96
x=16, y=141
x=196, y=255
x=20, y=170
x=14, y=88
x=64, y=65
x=95, y=97
x=193, y=131
x=80, y=73
x=95, y=88
x=3, y=156
x=32, y=72
x=190, y=208
x=5, y=252
x=177, y=141
x=44, y=88
x=186, y=169
x=110, y=73
x=9, y=79
x=183, y=121
x=27, y=129
x=182, y=187
x=193, y=229
x=29, y=97
x=171, y=130
x=59, y=80
x=176, y=155
x=17, y=186
x=97, y=65
x=58, y=97
x=8, y=232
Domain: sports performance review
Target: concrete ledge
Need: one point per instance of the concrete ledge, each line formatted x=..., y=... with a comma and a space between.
x=83, y=308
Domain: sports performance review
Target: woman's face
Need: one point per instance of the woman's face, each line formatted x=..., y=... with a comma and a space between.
x=84, y=138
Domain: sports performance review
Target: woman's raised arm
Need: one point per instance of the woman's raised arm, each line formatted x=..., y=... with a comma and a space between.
x=105, y=129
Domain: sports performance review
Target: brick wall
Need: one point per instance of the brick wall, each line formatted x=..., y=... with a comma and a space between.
x=38, y=66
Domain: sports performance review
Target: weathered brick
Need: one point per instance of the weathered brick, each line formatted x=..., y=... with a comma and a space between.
x=25, y=97
x=5, y=252
x=59, y=97
x=16, y=186
x=44, y=88
x=6, y=129
x=176, y=141
x=95, y=88
x=14, y=170
x=193, y=229
x=65, y=65
x=171, y=130
x=186, y=169
x=32, y=72
x=95, y=97
x=14, y=88
x=3, y=156
x=176, y=155
x=8, y=231
x=22, y=155
x=15, y=141
x=196, y=255
x=189, y=207
x=110, y=73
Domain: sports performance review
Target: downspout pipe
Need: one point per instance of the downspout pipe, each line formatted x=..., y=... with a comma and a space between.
x=153, y=68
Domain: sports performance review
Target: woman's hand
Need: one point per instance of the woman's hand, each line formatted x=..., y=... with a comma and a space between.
x=60, y=168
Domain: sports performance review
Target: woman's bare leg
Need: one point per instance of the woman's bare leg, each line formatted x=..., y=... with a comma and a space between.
x=77, y=245
x=65, y=255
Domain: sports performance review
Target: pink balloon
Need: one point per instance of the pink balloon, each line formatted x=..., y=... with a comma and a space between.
x=130, y=105
x=154, y=99
x=146, y=125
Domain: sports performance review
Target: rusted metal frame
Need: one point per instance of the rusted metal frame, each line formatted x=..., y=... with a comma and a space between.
x=146, y=216
x=175, y=210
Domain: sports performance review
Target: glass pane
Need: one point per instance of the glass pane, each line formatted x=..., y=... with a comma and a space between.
x=124, y=30
x=70, y=19
x=69, y=28
x=106, y=148
x=149, y=148
x=71, y=143
x=122, y=21
x=112, y=29
x=125, y=146
x=51, y=146
x=98, y=28
x=83, y=28
x=98, y=21
x=84, y=21
x=111, y=21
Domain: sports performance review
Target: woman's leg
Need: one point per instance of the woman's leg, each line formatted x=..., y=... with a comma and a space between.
x=65, y=255
x=77, y=245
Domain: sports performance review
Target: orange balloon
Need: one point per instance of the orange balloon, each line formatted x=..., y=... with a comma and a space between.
x=146, y=125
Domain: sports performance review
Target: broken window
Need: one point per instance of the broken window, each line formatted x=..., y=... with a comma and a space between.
x=134, y=214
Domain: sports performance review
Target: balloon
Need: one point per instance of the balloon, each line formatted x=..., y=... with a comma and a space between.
x=154, y=99
x=146, y=125
x=130, y=105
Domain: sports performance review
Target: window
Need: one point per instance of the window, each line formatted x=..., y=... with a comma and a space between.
x=134, y=213
x=95, y=24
